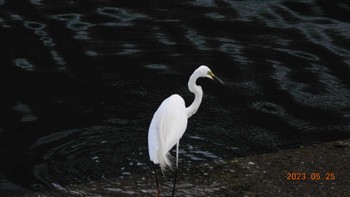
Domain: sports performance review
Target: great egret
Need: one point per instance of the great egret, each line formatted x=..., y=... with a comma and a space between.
x=170, y=121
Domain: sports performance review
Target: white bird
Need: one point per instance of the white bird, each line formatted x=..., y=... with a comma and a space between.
x=170, y=121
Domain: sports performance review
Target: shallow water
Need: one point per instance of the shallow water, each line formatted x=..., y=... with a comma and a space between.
x=81, y=79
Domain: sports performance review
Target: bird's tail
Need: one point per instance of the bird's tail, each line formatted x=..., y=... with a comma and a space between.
x=165, y=159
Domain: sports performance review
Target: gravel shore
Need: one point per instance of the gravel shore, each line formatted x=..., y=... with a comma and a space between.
x=323, y=170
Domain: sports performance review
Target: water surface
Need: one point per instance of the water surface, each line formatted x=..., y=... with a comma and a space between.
x=81, y=80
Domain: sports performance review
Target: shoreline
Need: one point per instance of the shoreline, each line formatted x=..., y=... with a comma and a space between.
x=324, y=167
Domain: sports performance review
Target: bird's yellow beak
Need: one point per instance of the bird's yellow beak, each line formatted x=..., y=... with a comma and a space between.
x=212, y=76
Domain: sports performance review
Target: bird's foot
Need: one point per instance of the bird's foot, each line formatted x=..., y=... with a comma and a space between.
x=158, y=192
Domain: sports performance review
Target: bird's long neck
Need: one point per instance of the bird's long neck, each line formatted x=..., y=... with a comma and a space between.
x=198, y=94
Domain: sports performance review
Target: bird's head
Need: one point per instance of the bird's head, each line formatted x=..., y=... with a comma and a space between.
x=204, y=71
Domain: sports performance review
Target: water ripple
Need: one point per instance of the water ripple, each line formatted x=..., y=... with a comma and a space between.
x=215, y=16
x=34, y=25
x=24, y=64
x=197, y=40
x=204, y=3
x=248, y=10
x=67, y=17
x=129, y=49
x=301, y=54
x=272, y=19
x=336, y=95
x=285, y=69
x=3, y=23
x=37, y=2
x=79, y=25
x=233, y=50
x=75, y=23
x=269, y=108
x=124, y=16
x=162, y=37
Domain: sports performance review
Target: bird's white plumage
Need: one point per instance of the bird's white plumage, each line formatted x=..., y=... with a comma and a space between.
x=170, y=120
x=167, y=127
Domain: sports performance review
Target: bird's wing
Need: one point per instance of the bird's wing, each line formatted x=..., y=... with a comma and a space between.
x=174, y=121
x=167, y=127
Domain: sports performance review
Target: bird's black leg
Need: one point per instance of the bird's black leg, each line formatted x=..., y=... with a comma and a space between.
x=155, y=173
x=177, y=165
x=174, y=182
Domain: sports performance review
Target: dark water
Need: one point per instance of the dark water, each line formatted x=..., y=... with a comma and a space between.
x=80, y=81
